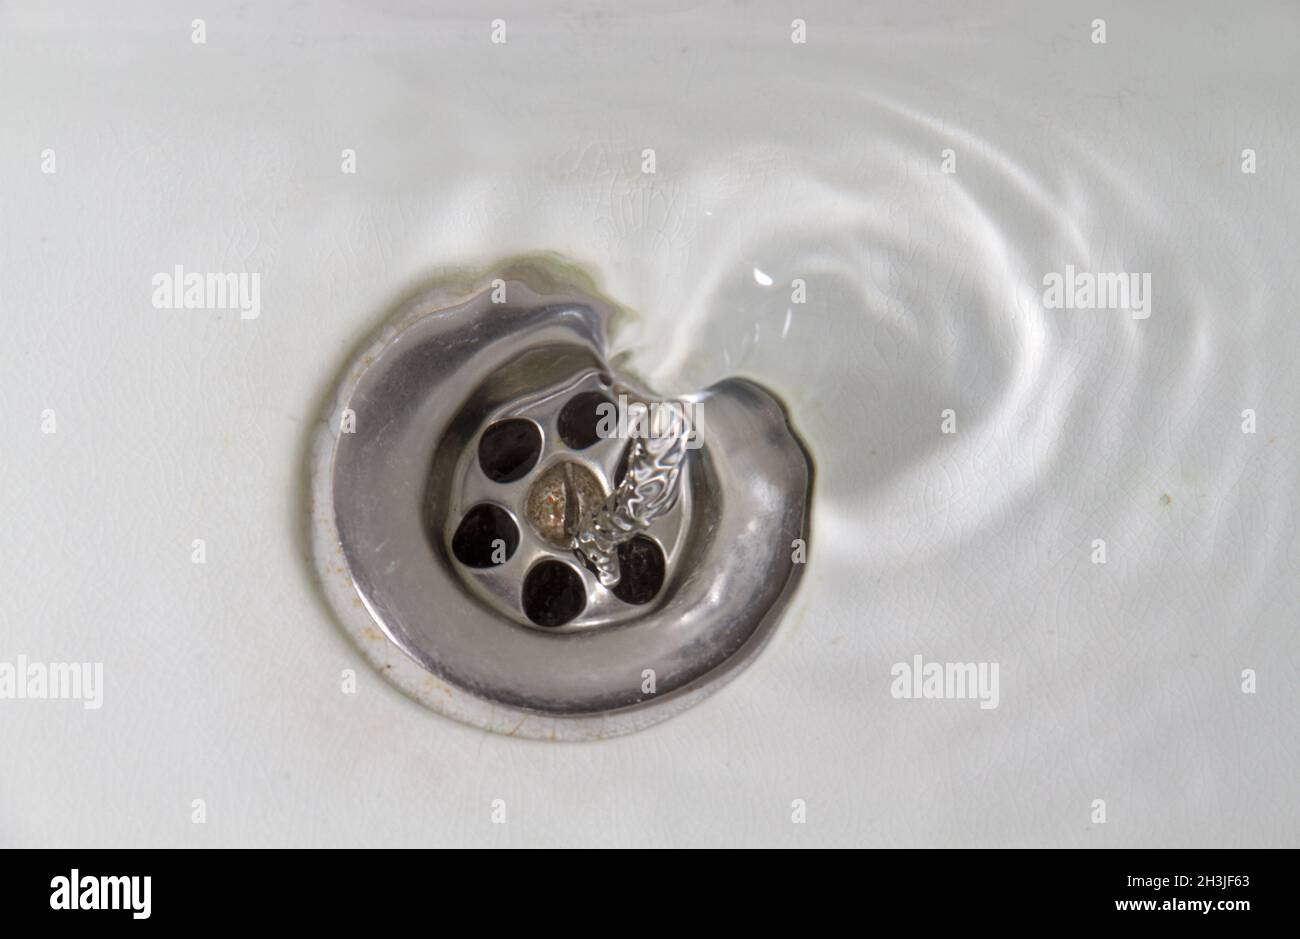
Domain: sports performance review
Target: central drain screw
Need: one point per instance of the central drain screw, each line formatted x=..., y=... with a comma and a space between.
x=559, y=501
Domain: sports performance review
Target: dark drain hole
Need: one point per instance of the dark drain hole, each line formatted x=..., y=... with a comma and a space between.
x=553, y=594
x=509, y=449
x=485, y=537
x=641, y=561
x=621, y=470
x=580, y=419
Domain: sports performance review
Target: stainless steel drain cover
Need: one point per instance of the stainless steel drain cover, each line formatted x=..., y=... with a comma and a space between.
x=524, y=539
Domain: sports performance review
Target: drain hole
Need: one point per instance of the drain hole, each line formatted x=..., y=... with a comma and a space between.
x=641, y=562
x=553, y=594
x=621, y=471
x=579, y=419
x=486, y=536
x=509, y=449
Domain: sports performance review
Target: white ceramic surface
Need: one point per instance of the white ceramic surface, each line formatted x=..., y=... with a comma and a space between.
x=820, y=161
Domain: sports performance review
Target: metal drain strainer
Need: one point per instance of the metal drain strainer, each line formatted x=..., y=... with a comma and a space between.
x=524, y=539
x=526, y=494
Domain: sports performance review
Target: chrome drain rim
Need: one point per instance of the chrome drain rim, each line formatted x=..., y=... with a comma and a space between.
x=398, y=425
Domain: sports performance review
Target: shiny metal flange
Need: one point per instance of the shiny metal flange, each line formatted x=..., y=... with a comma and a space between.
x=453, y=498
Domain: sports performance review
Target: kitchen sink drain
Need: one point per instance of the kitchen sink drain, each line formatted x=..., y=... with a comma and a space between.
x=525, y=539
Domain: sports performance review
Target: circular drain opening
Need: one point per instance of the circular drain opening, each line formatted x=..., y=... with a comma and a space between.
x=419, y=459
x=553, y=594
x=485, y=537
x=509, y=449
x=643, y=567
x=555, y=509
x=579, y=420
